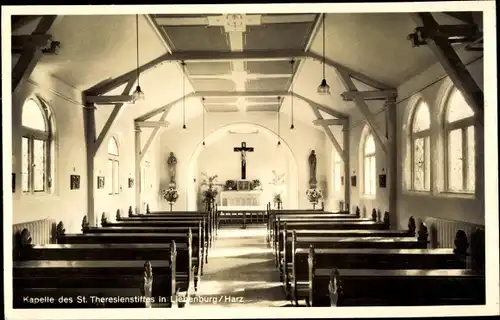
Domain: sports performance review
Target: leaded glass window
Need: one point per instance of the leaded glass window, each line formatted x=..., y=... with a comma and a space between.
x=420, y=140
x=36, y=147
x=460, y=145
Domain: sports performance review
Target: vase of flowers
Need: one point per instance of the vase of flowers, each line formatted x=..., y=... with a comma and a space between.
x=230, y=185
x=171, y=196
x=314, y=196
x=256, y=185
x=277, y=200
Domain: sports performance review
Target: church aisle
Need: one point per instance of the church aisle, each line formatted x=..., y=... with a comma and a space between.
x=241, y=272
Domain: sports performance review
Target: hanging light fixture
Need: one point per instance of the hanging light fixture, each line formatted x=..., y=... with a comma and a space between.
x=203, y=113
x=184, y=128
x=138, y=94
x=279, y=136
x=291, y=96
x=324, y=88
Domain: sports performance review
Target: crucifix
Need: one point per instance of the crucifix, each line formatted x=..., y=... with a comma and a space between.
x=243, y=150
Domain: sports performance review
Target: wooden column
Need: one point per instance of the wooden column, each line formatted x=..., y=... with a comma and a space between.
x=392, y=158
x=90, y=137
x=138, y=178
x=347, y=165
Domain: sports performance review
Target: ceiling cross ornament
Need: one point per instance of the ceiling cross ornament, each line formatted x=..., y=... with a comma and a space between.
x=235, y=22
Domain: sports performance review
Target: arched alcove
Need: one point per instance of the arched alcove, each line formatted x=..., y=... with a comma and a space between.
x=292, y=198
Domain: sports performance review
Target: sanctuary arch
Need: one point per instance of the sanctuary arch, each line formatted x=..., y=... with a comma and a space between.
x=292, y=192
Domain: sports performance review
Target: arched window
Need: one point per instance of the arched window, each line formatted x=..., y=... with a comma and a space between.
x=113, y=171
x=36, y=147
x=460, y=170
x=337, y=171
x=420, y=148
x=369, y=174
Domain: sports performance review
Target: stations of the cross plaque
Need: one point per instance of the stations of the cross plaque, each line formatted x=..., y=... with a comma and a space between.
x=243, y=151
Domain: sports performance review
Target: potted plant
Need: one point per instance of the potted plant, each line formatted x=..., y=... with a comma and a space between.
x=171, y=196
x=314, y=196
x=211, y=192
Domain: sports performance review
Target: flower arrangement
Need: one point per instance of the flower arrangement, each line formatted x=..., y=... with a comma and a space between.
x=230, y=185
x=314, y=196
x=170, y=195
x=256, y=185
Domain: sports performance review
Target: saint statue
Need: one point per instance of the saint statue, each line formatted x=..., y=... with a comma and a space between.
x=312, y=170
x=172, y=161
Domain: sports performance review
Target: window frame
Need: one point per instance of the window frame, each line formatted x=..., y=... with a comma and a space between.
x=371, y=156
x=46, y=137
x=414, y=136
x=463, y=125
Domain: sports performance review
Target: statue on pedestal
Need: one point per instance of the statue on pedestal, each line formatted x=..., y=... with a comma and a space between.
x=172, y=161
x=312, y=170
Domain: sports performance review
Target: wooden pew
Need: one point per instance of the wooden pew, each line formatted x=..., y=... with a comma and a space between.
x=305, y=215
x=85, y=283
x=193, y=269
x=285, y=249
x=403, y=287
x=272, y=215
x=198, y=227
x=299, y=251
x=76, y=284
x=334, y=224
x=208, y=234
x=316, y=218
x=311, y=264
x=208, y=214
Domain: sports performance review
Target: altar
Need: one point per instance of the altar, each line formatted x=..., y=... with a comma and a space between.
x=241, y=198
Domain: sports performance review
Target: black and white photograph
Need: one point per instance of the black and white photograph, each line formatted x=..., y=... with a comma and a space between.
x=275, y=159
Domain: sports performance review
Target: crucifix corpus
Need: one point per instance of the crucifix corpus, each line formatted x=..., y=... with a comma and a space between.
x=243, y=150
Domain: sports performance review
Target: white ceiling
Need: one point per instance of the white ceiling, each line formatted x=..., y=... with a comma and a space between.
x=95, y=48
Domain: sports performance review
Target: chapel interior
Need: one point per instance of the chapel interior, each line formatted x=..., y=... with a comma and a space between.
x=261, y=154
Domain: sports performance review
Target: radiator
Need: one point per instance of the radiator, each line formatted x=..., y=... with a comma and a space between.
x=442, y=232
x=41, y=230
